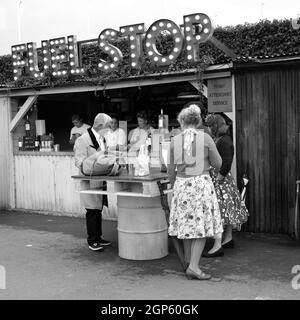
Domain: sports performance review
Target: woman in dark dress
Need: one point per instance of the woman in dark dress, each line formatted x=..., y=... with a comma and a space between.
x=233, y=210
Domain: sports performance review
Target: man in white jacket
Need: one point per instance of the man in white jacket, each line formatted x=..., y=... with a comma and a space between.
x=85, y=146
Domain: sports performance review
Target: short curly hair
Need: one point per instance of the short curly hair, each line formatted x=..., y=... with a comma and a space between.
x=190, y=115
x=143, y=115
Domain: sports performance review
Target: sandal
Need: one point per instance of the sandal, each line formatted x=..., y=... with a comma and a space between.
x=190, y=274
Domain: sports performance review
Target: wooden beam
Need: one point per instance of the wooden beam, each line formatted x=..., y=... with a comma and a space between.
x=203, y=90
x=23, y=110
x=220, y=45
x=217, y=71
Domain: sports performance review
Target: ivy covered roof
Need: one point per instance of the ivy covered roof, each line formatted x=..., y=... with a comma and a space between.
x=261, y=40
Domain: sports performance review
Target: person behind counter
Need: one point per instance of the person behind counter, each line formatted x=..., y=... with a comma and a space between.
x=194, y=213
x=85, y=146
x=139, y=135
x=115, y=138
x=78, y=129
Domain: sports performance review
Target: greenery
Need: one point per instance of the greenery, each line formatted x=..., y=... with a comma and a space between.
x=263, y=39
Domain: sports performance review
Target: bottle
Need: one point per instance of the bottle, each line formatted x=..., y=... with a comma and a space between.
x=51, y=141
x=27, y=126
x=149, y=142
x=161, y=120
x=20, y=143
x=37, y=143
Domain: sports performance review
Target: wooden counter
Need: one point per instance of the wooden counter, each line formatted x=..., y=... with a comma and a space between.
x=41, y=153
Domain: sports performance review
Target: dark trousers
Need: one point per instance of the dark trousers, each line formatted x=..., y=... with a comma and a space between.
x=93, y=225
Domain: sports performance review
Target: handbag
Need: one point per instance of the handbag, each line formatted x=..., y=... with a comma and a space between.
x=101, y=163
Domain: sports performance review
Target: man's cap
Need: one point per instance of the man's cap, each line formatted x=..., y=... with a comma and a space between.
x=101, y=118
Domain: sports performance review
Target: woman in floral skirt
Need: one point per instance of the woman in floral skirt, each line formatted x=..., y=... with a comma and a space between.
x=233, y=210
x=194, y=213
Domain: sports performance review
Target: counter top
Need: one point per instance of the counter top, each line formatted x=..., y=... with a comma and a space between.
x=39, y=153
x=155, y=175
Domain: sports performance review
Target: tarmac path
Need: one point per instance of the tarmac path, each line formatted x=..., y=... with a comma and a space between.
x=46, y=257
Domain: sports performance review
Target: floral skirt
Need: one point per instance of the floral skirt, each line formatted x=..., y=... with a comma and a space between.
x=194, y=209
x=232, y=207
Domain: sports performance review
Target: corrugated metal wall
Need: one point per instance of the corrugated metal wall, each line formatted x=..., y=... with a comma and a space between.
x=44, y=183
x=4, y=153
x=268, y=120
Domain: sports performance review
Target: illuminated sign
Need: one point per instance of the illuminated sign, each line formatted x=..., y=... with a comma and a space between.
x=60, y=55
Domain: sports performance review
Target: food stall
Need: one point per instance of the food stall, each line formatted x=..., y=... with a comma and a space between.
x=65, y=76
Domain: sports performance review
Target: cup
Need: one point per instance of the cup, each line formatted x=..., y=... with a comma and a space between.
x=56, y=147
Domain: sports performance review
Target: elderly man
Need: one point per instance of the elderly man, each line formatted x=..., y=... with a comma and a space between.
x=85, y=146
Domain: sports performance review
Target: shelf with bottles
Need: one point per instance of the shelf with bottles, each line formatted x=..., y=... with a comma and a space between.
x=28, y=143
